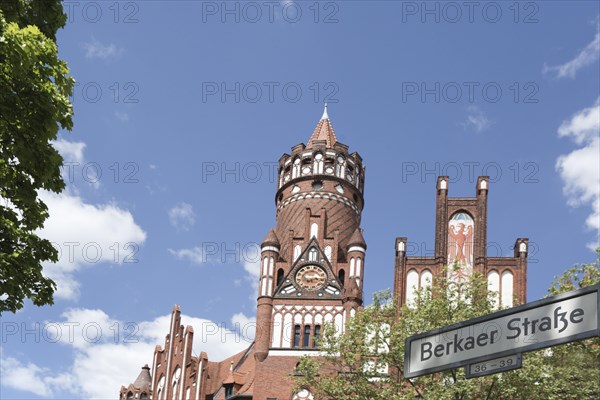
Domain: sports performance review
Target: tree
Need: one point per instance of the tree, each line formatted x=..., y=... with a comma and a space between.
x=367, y=361
x=34, y=104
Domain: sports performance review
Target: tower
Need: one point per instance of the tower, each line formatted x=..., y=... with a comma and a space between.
x=312, y=262
x=461, y=242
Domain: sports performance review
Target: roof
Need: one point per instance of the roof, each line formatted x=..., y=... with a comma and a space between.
x=357, y=239
x=238, y=369
x=323, y=132
x=144, y=380
x=271, y=239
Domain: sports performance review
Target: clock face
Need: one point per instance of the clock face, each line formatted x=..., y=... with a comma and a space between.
x=311, y=277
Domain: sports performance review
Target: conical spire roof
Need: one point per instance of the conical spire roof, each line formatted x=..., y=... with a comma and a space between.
x=271, y=239
x=351, y=290
x=357, y=239
x=323, y=132
x=144, y=380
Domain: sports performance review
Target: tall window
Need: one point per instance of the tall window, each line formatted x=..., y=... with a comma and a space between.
x=317, y=335
x=296, y=335
x=306, y=338
x=342, y=276
x=279, y=276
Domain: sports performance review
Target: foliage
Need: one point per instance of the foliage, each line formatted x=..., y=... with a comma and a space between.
x=34, y=104
x=367, y=361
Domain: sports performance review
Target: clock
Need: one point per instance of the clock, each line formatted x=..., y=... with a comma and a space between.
x=311, y=277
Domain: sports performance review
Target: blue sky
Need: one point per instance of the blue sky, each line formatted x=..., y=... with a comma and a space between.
x=183, y=108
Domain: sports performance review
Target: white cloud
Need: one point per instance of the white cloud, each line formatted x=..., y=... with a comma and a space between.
x=245, y=325
x=195, y=255
x=182, y=216
x=476, y=119
x=25, y=377
x=95, y=49
x=70, y=151
x=114, y=356
x=587, y=56
x=86, y=234
x=580, y=169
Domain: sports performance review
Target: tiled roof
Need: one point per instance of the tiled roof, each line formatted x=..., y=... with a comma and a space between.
x=323, y=131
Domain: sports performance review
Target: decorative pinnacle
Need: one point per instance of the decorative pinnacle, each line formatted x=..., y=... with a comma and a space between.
x=325, y=116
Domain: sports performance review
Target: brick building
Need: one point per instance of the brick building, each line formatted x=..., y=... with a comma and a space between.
x=311, y=272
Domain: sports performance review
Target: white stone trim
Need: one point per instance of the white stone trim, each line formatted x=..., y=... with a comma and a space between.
x=357, y=248
x=270, y=248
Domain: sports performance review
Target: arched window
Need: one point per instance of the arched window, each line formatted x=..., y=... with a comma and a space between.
x=312, y=254
x=317, y=335
x=318, y=164
x=279, y=276
x=412, y=285
x=296, y=342
x=306, y=338
x=507, y=289
x=314, y=230
x=144, y=396
x=342, y=276
x=296, y=168
x=358, y=266
x=340, y=169
x=494, y=286
x=129, y=396
x=297, y=252
x=328, y=253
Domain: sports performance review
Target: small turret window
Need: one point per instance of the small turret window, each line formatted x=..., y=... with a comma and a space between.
x=279, y=276
x=318, y=164
x=296, y=169
x=312, y=254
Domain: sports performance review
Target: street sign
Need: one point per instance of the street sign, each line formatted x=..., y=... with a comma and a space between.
x=543, y=323
x=506, y=363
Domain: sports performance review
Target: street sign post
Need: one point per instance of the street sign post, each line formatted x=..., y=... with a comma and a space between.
x=548, y=322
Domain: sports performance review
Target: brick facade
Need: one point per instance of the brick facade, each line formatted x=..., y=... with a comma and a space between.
x=312, y=271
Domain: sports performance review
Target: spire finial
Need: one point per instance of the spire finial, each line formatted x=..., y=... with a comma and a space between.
x=325, y=116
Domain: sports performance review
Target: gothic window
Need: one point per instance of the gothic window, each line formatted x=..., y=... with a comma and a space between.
x=328, y=253
x=507, y=289
x=358, y=266
x=279, y=276
x=297, y=252
x=339, y=168
x=296, y=168
x=161, y=388
x=352, y=266
x=494, y=286
x=342, y=276
x=306, y=337
x=412, y=285
x=317, y=335
x=129, y=396
x=314, y=230
x=144, y=396
x=318, y=164
x=312, y=254
x=296, y=336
